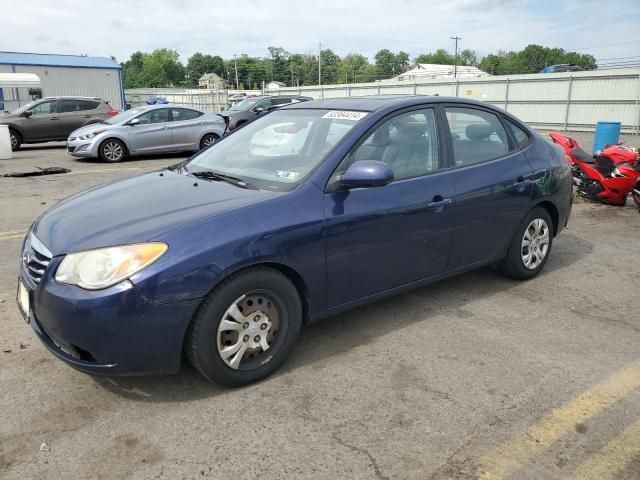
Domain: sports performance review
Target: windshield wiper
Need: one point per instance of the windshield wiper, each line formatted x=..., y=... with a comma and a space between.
x=211, y=175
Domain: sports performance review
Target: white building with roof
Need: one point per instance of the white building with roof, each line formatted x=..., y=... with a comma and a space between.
x=430, y=71
x=62, y=75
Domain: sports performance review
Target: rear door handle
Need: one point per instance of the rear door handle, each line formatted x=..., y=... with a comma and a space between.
x=54, y=118
x=86, y=116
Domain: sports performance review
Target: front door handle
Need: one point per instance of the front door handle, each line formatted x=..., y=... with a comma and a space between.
x=53, y=118
x=438, y=203
x=86, y=116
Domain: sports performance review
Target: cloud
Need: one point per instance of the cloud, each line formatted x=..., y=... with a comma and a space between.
x=120, y=27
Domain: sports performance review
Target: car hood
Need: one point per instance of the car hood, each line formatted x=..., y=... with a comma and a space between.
x=5, y=117
x=91, y=128
x=137, y=209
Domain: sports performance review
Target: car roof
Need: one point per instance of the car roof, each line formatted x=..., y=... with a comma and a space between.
x=167, y=105
x=71, y=97
x=371, y=103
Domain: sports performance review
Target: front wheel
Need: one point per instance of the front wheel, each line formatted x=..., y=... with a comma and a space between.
x=15, y=139
x=112, y=150
x=531, y=246
x=245, y=328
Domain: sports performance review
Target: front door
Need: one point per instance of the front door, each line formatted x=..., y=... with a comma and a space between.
x=385, y=237
x=43, y=123
x=152, y=134
x=493, y=182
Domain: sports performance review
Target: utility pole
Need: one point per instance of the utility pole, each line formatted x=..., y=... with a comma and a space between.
x=235, y=63
x=319, y=64
x=455, y=58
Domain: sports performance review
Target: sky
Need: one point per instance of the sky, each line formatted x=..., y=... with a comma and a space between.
x=607, y=29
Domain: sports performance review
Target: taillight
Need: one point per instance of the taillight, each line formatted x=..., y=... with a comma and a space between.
x=112, y=113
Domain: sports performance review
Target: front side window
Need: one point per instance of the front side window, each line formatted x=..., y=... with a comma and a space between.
x=277, y=151
x=408, y=143
x=159, y=115
x=181, y=114
x=45, y=108
x=477, y=136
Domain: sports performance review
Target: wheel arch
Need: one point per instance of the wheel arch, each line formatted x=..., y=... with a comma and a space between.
x=552, y=210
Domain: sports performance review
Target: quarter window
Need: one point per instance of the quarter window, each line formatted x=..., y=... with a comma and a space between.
x=408, y=143
x=477, y=136
x=521, y=136
x=182, y=114
x=160, y=115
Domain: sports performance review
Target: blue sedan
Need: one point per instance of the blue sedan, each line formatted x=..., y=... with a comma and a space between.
x=308, y=211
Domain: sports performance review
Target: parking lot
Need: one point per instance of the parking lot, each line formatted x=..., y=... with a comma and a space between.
x=476, y=377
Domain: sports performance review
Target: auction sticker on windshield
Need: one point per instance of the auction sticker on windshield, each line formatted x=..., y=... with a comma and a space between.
x=344, y=115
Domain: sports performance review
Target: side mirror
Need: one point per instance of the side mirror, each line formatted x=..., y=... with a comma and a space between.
x=367, y=173
x=27, y=113
x=259, y=110
x=133, y=122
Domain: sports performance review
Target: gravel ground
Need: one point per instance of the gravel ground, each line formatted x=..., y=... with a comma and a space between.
x=475, y=377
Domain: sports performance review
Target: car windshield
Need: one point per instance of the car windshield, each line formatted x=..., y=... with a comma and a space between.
x=23, y=108
x=278, y=151
x=124, y=116
x=245, y=104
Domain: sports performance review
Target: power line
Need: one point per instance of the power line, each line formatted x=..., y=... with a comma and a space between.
x=608, y=45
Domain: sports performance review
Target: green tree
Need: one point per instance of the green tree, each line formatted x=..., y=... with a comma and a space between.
x=199, y=64
x=439, y=57
x=351, y=67
x=389, y=64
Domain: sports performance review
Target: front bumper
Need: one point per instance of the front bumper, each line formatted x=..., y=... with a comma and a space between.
x=83, y=148
x=114, y=331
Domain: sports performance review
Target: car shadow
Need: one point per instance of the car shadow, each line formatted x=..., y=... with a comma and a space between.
x=42, y=146
x=179, y=156
x=346, y=331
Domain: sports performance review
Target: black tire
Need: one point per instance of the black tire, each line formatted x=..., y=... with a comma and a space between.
x=204, y=339
x=513, y=265
x=109, y=147
x=15, y=138
x=208, y=139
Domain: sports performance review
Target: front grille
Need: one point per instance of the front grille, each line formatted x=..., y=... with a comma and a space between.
x=35, y=258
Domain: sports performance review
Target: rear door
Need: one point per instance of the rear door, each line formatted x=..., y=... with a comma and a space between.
x=76, y=113
x=44, y=122
x=492, y=180
x=384, y=237
x=185, y=126
x=152, y=134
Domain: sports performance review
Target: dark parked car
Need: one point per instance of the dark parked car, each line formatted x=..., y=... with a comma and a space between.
x=54, y=118
x=224, y=256
x=251, y=108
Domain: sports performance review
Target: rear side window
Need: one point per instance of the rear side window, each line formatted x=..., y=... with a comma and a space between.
x=521, y=136
x=477, y=136
x=67, y=106
x=181, y=114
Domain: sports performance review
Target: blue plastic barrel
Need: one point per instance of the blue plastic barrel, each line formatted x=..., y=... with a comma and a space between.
x=606, y=133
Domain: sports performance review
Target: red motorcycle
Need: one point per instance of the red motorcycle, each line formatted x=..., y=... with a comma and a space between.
x=609, y=176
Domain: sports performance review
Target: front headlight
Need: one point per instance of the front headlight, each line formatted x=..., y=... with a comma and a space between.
x=90, y=135
x=104, y=267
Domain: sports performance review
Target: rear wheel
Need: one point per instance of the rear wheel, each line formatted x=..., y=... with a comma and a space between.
x=245, y=328
x=15, y=139
x=531, y=246
x=112, y=150
x=208, y=139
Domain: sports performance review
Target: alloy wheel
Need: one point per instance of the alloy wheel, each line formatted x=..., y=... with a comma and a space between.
x=14, y=140
x=113, y=151
x=248, y=330
x=535, y=244
x=208, y=140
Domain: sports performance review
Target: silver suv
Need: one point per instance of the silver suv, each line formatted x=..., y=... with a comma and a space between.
x=54, y=118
